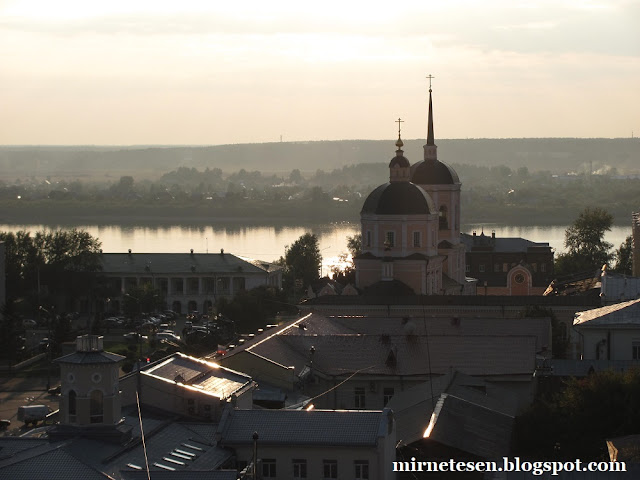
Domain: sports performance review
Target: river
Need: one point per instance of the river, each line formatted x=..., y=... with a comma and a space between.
x=269, y=242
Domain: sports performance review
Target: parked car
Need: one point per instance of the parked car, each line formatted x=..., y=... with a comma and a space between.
x=55, y=390
x=135, y=336
x=171, y=337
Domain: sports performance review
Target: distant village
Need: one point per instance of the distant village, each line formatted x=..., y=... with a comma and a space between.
x=432, y=345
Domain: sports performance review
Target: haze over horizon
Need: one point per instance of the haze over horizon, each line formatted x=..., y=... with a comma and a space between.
x=198, y=73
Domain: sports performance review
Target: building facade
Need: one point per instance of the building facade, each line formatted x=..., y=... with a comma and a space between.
x=508, y=266
x=187, y=281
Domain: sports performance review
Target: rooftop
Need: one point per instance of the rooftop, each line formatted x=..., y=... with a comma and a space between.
x=302, y=427
x=172, y=263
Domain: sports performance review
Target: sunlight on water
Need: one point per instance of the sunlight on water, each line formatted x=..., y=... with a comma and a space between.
x=269, y=243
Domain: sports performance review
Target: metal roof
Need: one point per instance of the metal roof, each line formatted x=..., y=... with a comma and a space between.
x=623, y=314
x=302, y=427
x=179, y=263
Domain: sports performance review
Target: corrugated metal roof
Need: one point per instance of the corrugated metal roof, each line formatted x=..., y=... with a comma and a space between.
x=301, y=427
x=623, y=314
x=207, y=376
x=344, y=345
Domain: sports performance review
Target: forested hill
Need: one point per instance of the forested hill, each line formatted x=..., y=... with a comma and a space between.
x=558, y=155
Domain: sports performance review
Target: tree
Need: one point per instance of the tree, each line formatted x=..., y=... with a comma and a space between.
x=60, y=259
x=345, y=271
x=251, y=310
x=302, y=261
x=624, y=257
x=577, y=422
x=142, y=298
x=584, y=240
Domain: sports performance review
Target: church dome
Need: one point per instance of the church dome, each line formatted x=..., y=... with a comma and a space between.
x=433, y=172
x=398, y=198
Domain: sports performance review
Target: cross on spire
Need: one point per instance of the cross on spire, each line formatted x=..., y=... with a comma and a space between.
x=430, y=77
x=398, y=121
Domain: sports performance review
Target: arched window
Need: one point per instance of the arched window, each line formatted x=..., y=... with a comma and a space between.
x=72, y=402
x=96, y=407
x=444, y=221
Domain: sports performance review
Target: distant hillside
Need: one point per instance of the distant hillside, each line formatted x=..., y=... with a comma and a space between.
x=555, y=154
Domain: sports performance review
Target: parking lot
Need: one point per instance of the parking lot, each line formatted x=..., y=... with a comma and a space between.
x=19, y=390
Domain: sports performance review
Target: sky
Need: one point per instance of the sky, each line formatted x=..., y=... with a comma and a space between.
x=211, y=72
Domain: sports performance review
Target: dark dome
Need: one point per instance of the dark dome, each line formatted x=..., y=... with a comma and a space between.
x=433, y=172
x=398, y=198
x=399, y=161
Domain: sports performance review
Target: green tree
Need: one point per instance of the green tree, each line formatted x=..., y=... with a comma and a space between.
x=577, y=422
x=10, y=328
x=345, y=271
x=584, y=240
x=302, y=262
x=251, y=310
x=142, y=298
x=61, y=259
x=624, y=257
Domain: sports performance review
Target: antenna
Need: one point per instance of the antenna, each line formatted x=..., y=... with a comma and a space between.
x=144, y=446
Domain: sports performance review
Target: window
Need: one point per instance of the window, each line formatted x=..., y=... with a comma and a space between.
x=417, y=239
x=359, y=397
x=299, y=468
x=635, y=350
x=362, y=469
x=238, y=284
x=368, y=238
x=442, y=218
x=329, y=469
x=543, y=267
x=223, y=285
x=496, y=267
x=387, y=393
x=268, y=468
x=72, y=402
x=95, y=406
x=467, y=268
x=481, y=268
x=505, y=267
x=390, y=240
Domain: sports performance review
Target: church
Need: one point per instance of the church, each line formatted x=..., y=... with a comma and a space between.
x=411, y=242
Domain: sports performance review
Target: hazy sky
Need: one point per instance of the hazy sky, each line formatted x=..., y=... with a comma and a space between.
x=217, y=72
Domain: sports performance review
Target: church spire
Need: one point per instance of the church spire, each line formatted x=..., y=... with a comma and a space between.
x=430, y=149
x=399, y=166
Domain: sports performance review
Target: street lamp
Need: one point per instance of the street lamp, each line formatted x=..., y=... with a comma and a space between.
x=48, y=352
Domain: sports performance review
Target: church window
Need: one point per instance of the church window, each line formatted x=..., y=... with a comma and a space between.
x=96, y=406
x=368, y=238
x=72, y=402
x=417, y=237
x=635, y=350
x=390, y=241
x=481, y=267
x=443, y=220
